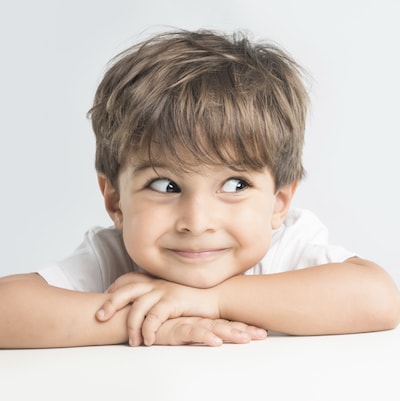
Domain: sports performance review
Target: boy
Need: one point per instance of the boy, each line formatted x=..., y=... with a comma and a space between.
x=198, y=152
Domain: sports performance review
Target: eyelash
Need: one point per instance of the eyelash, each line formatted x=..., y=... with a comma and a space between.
x=244, y=181
x=154, y=180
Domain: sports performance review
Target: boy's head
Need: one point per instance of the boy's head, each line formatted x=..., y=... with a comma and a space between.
x=201, y=98
x=199, y=142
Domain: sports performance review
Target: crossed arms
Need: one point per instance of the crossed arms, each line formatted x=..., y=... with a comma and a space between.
x=354, y=296
x=34, y=314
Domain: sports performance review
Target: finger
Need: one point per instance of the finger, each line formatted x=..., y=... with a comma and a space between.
x=138, y=313
x=106, y=311
x=128, y=278
x=121, y=298
x=155, y=317
x=255, y=333
x=191, y=331
x=234, y=332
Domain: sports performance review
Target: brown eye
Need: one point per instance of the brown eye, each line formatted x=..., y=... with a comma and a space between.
x=164, y=185
x=234, y=185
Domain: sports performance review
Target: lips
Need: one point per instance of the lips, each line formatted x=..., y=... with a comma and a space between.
x=198, y=254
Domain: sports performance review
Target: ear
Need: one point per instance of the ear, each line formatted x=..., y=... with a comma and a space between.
x=111, y=200
x=283, y=199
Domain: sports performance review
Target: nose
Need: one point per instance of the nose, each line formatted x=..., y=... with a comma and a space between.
x=197, y=214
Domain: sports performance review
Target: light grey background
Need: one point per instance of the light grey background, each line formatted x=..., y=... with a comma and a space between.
x=53, y=54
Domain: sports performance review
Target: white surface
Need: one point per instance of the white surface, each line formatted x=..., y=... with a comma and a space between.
x=329, y=368
x=54, y=53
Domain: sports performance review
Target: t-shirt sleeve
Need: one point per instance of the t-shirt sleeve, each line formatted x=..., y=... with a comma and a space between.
x=300, y=243
x=99, y=260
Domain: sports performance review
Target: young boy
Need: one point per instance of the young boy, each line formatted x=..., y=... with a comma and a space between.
x=199, y=143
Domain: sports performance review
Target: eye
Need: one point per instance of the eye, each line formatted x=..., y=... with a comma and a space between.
x=164, y=185
x=234, y=185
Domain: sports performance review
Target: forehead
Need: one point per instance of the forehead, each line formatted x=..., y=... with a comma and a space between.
x=163, y=167
x=185, y=165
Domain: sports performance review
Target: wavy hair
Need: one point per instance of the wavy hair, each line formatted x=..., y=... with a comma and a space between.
x=219, y=99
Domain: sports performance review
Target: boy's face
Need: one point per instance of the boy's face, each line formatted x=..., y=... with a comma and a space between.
x=196, y=229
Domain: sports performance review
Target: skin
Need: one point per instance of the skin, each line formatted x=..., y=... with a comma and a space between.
x=197, y=229
x=37, y=315
x=196, y=233
x=194, y=251
x=55, y=317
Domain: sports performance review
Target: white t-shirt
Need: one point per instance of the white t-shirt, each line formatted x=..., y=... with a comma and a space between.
x=301, y=242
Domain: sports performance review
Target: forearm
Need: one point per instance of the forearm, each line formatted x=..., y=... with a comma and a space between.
x=36, y=315
x=329, y=299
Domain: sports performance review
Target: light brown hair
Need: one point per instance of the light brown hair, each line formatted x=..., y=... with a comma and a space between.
x=220, y=99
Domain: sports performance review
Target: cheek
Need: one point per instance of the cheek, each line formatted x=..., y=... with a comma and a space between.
x=254, y=232
x=256, y=240
x=140, y=232
x=257, y=216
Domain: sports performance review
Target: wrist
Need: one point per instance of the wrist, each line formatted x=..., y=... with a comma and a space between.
x=225, y=298
x=212, y=297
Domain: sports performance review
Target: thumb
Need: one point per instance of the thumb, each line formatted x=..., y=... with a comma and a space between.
x=106, y=312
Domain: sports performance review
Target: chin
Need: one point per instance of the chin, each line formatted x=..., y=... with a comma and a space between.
x=202, y=282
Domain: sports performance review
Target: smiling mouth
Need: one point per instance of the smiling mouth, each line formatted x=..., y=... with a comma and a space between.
x=198, y=254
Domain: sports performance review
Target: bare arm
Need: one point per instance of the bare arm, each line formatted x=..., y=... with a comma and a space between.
x=350, y=297
x=34, y=314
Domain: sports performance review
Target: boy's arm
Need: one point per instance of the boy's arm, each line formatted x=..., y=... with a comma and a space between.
x=34, y=314
x=349, y=297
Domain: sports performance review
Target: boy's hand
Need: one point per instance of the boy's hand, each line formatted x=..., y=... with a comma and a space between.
x=173, y=331
x=155, y=301
x=197, y=330
x=129, y=278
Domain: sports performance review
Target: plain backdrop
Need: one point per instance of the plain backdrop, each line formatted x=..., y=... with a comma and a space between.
x=53, y=54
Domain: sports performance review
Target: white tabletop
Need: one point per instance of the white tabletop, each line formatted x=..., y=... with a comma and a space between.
x=347, y=367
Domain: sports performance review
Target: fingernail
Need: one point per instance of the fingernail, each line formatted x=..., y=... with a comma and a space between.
x=261, y=333
x=217, y=341
x=101, y=313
